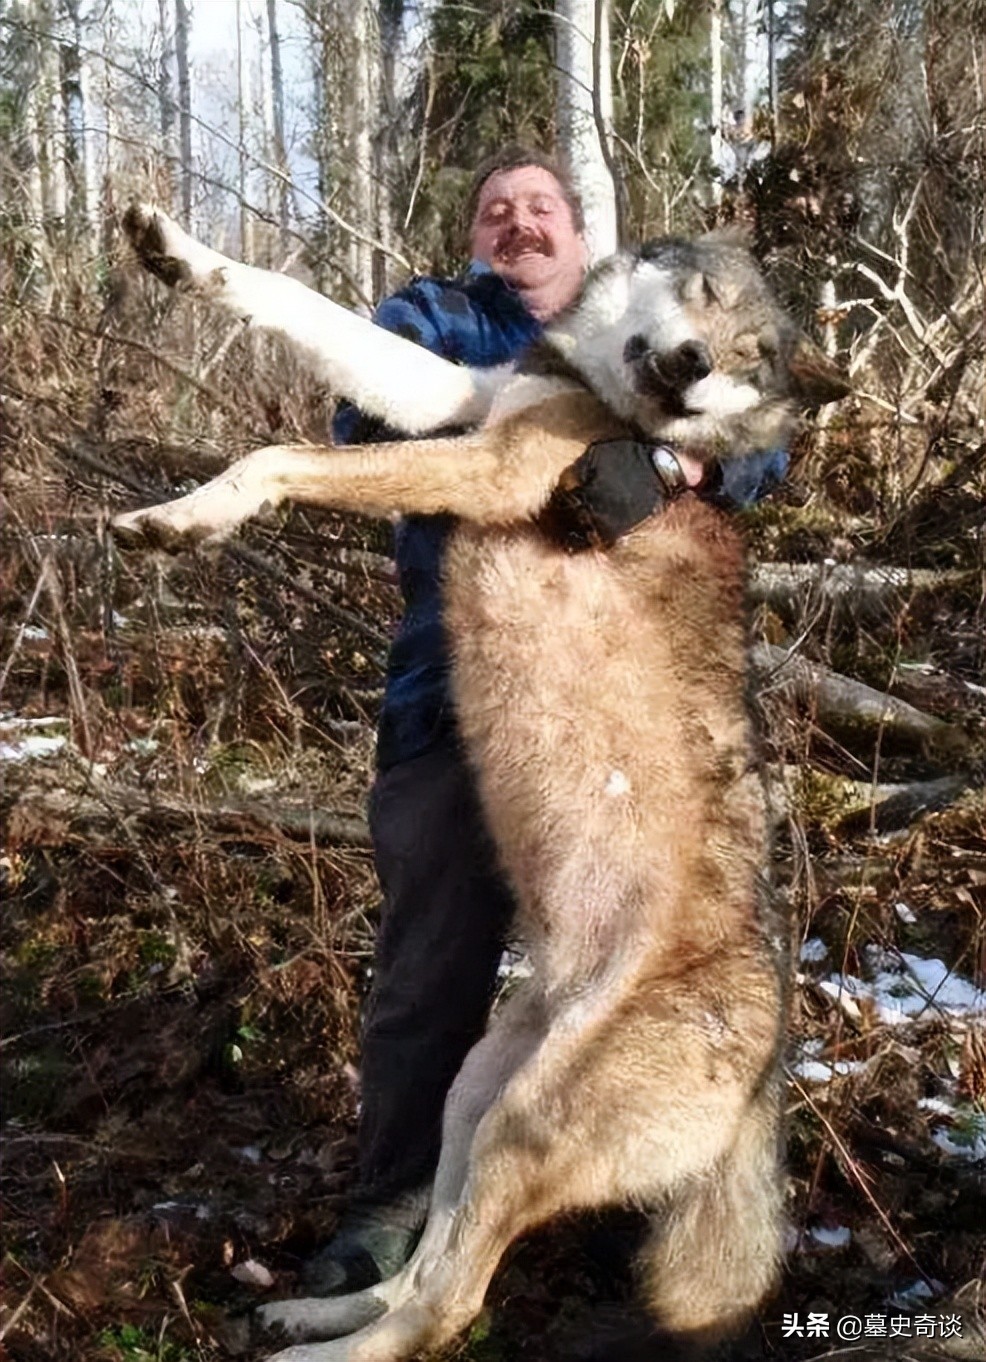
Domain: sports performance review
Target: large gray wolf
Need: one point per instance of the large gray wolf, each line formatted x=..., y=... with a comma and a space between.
x=600, y=698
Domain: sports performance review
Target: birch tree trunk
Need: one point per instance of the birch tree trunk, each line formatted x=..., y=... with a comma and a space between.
x=363, y=102
x=715, y=99
x=35, y=192
x=107, y=205
x=77, y=204
x=51, y=132
x=184, y=109
x=771, y=20
x=389, y=139
x=166, y=104
x=277, y=114
x=321, y=142
x=36, y=140
x=585, y=113
x=246, y=220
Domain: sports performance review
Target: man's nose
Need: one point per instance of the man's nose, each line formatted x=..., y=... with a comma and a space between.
x=521, y=220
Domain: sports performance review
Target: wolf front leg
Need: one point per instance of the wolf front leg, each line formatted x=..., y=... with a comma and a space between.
x=496, y=476
x=385, y=375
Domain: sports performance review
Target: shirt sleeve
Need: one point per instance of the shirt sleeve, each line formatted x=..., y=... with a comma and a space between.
x=749, y=479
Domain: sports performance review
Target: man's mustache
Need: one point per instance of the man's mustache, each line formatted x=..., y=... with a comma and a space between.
x=518, y=243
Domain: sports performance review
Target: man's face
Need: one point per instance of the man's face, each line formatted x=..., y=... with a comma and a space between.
x=523, y=229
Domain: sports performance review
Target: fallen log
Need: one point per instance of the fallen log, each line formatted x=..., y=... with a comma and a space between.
x=896, y=807
x=854, y=807
x=54, y=816
x=848, y=708
x=859, y=586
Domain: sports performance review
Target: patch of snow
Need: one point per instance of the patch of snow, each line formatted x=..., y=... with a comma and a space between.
x=143, y=747
x=31, y=748
x=823, y=1071
x=937, y=1105
x=970, y=1145
x=813, y=950
x=838, y=1238
x=50, y=721
x=905, y=987
x=617, y=784
x=922, y=986
x=34, y=633
x=251, y=1152
x=910, y=1297
x=905, y=914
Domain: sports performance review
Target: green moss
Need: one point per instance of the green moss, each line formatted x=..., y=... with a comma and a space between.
x=130, y=1343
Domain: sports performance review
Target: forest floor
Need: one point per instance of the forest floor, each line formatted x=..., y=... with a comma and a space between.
x=189, y=902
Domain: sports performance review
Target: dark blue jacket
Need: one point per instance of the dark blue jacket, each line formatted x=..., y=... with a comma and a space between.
x=476, y=319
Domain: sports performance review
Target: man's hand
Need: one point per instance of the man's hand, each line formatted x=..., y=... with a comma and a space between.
x=618, y=483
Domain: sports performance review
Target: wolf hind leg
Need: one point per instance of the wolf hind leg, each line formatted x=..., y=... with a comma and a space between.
x=541, y=1150
x=716, y=1247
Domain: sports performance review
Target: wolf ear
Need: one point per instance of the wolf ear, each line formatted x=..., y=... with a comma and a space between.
x=816, y=379
x=702, y=289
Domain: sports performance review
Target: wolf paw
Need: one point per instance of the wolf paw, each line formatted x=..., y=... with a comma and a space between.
x=322, y=1318
x=147, y=529
x=173, y=527
x=206, y=516
x=167, y=251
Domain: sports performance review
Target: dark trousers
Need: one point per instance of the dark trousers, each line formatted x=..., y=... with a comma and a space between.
x=444, y=917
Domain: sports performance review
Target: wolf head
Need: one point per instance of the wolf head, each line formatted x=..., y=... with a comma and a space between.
x=684, y=340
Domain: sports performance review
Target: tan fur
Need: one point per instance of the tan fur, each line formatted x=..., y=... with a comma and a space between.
x=600, y=698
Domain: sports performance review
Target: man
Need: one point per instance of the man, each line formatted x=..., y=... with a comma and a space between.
x=445, y=908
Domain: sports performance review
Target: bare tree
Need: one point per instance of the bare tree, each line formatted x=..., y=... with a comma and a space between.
x=182, y=22
x=76, y=150
x=277, y=113
x=359, y=122
x=585, y=114
x=166, y=102
x=45, y=105
x=246, y=221
x=715, y=98
x=771, y=22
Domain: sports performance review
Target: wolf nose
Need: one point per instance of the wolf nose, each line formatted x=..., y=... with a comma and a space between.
x=688, y=364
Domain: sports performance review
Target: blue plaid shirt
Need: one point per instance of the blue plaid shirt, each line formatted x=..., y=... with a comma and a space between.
x=476, y=319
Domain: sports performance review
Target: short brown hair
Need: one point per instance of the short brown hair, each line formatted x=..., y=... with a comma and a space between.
x=513, y=157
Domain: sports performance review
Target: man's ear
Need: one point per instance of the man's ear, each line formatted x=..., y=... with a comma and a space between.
x=816, y=379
